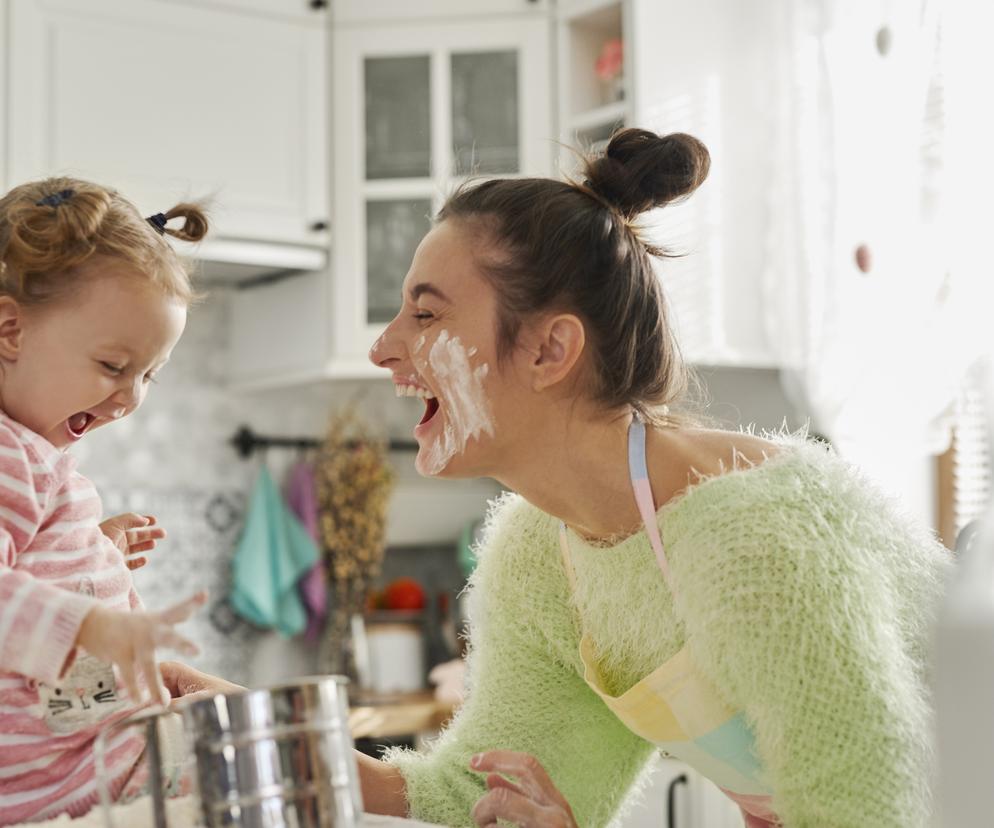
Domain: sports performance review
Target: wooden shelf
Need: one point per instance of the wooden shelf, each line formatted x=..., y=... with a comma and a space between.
x=606, y=115
x=584, y=27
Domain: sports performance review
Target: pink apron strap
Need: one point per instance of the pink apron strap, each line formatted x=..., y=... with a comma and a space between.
x=643, y=499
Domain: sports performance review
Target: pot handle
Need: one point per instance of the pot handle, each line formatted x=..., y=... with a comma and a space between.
x=147, y=718
x=670, y=799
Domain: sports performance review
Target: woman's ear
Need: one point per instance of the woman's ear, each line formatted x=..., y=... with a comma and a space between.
x=11, y=328
x=556, y=343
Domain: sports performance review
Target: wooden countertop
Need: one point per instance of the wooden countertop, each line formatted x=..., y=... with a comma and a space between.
x=397, y=715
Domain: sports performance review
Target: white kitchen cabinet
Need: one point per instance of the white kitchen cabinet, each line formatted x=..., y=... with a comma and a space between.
x=706, y=68
x=675, y=796
x=702, y=68
x=167, y=100
x=418, y=107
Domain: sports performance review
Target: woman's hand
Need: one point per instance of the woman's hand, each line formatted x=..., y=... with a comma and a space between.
x=181, y=681
x=532, y=801
x=128, y=640
x=133, y=535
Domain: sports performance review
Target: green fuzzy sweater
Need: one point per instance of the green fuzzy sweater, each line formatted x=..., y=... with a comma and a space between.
x=805, y=596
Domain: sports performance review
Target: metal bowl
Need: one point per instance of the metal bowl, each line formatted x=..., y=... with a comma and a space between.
x=276, y=757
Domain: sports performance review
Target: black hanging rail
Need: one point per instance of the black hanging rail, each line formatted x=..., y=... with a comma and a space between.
x=247, y=442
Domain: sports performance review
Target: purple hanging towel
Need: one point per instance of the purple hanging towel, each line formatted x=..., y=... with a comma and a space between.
x=302, y=498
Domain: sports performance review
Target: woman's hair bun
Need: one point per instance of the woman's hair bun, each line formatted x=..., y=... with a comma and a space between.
x=640, y=170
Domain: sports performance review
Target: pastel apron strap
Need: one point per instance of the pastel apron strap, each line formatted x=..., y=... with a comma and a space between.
x=643, y=494
x=567, y=560
x=643, y=499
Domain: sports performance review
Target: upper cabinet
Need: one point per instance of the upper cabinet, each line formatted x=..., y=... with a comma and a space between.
x=418, y=108
x=172, y=99
x=708, y=68
x=334, y=131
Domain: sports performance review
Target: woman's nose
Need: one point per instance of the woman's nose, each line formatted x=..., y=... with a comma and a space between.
x=384, y=350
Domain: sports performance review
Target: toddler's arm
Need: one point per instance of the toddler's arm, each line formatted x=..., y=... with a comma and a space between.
x=39, y=621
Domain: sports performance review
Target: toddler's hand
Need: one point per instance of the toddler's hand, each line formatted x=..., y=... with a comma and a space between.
x=183, y=681
x=129, y=639
x=133, y=534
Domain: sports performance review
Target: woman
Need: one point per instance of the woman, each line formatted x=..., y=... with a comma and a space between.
x=750, y=606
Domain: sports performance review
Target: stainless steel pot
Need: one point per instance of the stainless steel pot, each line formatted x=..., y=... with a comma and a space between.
x=277, y=757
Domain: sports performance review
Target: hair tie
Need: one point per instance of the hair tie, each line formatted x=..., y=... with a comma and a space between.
x=55, y=199
x=158, y=221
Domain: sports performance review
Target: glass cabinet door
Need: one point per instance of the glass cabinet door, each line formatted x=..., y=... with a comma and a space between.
x=485, y=112
x=394, y=228
x=398, y=117
x=399, y=147
x=419, y=108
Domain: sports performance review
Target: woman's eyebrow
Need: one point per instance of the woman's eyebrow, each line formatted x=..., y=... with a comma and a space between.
x=421, y=288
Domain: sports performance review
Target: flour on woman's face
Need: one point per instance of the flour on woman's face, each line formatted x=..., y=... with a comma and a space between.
x=459, y=387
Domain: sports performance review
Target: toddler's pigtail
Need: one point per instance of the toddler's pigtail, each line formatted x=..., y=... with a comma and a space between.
x=48, y=229
x=195, y=222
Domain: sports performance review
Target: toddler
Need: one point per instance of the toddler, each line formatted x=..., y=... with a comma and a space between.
x=92, y=301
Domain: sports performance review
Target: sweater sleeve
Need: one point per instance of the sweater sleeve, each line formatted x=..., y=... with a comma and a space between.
x=525, y=691
x=806, y=604
x=38, y=621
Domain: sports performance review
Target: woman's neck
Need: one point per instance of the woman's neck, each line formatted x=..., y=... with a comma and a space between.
x=576, y=469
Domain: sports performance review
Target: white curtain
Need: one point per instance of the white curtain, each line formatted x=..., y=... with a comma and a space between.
x=876, y=358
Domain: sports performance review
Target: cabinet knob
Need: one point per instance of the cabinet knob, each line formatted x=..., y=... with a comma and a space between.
x=318, y=226
x=317, y=5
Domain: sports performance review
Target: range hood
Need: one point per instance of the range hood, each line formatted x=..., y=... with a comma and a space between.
x=241, y=263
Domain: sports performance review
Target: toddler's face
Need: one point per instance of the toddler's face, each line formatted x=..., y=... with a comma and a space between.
x=88, y=359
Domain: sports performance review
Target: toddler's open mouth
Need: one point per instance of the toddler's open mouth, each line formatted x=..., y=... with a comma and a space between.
x=78, y=423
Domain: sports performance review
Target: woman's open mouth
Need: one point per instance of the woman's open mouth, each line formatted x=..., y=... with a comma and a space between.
x=430, y=400
x=431, y=409
x=78, y=423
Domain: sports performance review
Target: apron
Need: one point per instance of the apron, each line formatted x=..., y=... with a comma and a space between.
x=676, y=707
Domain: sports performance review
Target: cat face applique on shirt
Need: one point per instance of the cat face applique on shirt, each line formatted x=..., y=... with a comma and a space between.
x=86, y=696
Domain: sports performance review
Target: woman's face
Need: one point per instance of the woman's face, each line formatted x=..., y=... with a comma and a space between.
x=442, y=347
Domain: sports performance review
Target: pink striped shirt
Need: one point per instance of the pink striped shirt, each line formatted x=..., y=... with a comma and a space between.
x=55, y=565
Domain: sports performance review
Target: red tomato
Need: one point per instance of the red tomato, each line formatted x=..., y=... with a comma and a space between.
x=404, y=594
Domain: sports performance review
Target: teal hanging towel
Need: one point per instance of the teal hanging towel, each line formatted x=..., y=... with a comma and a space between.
x=273, y=553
